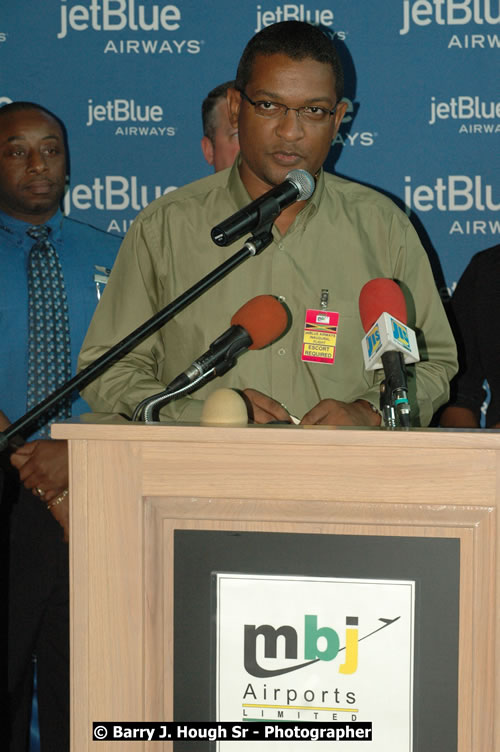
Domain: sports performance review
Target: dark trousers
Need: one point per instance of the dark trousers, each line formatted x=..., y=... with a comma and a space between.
x=35, y=559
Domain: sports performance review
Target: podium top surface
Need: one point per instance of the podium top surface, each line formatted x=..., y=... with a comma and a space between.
x=104, y=427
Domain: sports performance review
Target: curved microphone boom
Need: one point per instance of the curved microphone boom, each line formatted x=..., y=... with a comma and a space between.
x=258, y=323
x=389, y=344
x=298, y=185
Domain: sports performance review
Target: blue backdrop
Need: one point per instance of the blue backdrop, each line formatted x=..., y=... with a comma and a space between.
x=128, y=77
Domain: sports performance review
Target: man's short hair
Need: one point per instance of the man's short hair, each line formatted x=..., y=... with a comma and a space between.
x=208, y=115
x=296, y=39
x=20, y=106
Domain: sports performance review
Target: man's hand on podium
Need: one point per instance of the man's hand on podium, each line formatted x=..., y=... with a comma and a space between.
x=330, y=412
x=264, y=409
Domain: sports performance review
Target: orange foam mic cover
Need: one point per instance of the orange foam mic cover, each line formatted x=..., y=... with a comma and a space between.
x=264, y=318
x=380, y=296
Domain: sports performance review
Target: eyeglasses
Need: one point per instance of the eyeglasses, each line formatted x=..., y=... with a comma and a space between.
x=267, y=109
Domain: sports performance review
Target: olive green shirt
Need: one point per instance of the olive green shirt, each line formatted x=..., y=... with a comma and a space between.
x=345, y=235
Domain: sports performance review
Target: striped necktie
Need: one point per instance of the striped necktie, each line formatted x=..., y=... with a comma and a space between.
x=49, y=357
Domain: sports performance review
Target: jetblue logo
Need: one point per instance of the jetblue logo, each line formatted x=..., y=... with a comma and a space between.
x=346, y=137
x=113, y=193
x=131, y=116
x=123, y=110
x=116, y=15
x=464, y=108
x=292, y=12
x=456, y=193
x=447, y=13
x=471, y=114
x=128, y=16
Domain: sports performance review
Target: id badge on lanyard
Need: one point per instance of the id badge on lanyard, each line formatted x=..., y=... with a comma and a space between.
x=320, y=333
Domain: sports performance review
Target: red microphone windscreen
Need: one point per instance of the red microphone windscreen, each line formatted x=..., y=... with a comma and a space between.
x=380, y=296
x=264, y=318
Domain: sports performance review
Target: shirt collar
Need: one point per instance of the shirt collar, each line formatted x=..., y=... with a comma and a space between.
x=15, y=229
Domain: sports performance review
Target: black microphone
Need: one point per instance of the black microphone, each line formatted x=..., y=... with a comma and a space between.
x=256, y=324
x=298, y=186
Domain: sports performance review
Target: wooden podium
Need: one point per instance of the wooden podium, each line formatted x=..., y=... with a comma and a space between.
x=133, y=486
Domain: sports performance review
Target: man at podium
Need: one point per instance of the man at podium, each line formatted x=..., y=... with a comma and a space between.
x=287, y=105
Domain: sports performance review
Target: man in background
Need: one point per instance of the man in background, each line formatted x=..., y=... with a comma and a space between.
x=474, y=314
x=220, y=143
x=50, y=265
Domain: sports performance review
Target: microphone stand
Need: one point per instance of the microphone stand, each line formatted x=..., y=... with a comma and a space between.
x=148, y=411
x=199, y=373
x=394, y=404
x=386, y=406
x=14, y=435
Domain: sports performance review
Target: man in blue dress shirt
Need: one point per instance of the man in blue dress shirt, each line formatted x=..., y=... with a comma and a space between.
x=33, y=159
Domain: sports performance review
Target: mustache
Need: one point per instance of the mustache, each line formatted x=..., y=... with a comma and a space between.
x=40, y=181
x=289, y=152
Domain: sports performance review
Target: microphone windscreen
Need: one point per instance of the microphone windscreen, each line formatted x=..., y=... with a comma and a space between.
x=264, y=318
x=380, y=296
x=224, y=407
x=304, y=182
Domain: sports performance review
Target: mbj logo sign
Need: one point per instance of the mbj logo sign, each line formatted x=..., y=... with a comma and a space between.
x=312, y=651
x=320, y=644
